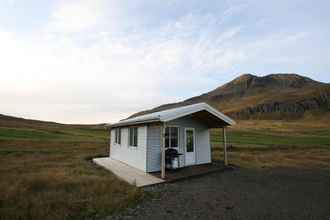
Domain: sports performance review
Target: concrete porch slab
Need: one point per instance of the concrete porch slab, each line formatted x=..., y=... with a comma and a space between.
x=127, y=173
x=192, y=171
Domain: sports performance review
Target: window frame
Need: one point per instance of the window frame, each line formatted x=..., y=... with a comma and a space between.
x=193, y=140
x=118, y=136
x=170, y=135
x=133, y=142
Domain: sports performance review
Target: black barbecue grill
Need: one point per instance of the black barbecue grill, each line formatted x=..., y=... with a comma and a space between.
x=172, y=158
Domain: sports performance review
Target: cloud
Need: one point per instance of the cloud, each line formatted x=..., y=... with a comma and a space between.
x=76, y=15
x=113, y=76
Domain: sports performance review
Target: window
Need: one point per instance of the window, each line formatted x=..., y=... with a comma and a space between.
x=171, y=137
x=190, y=140
x=133, y=136
x=118, y=136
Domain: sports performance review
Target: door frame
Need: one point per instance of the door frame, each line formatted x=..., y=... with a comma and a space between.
x=185, y=146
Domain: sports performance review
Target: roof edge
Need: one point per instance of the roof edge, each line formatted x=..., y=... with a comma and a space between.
x=207, y=107
x=122, y=124
x=169, y=117
x=226, y=118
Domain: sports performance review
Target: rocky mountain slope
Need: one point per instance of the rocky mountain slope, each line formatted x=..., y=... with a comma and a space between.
x=275, y=96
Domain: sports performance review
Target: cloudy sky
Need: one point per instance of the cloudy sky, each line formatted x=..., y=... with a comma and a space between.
x=90, y=61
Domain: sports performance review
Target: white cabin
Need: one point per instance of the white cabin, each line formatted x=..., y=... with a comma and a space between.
x=139, y=141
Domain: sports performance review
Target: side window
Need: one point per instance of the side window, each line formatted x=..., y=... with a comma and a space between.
x=116, y=139
x=174, y=137
x=171, y=137
x=133, y=136
x=118, y=136
x=167, y=137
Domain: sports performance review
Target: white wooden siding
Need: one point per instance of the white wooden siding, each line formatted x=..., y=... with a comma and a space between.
x=202, y=145
x=147, y=155
x=133, y=156
x=202, y=138
x=153, y=148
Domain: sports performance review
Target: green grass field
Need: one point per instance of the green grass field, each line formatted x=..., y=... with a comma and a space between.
x=46, y=170
x=257, y=138
x=47, y=173
x=274, y=134
x=260, y=144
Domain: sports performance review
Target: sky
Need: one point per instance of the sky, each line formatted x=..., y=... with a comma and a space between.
x=97, y=61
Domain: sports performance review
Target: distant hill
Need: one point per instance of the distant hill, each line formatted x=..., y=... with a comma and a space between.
x=275, y=96
x=16, y=122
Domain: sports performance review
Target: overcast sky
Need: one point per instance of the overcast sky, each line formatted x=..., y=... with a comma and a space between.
x=91, y=61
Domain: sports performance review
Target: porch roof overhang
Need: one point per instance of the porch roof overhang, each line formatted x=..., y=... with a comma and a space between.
x=200, y=111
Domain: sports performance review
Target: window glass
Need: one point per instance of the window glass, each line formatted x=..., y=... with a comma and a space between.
x=190, y=140
x=171, y=137
x=133, y=136
x=117, y=135
x=174, y=137
x=167, y=137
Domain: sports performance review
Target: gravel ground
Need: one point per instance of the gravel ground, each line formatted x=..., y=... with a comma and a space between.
x=240, y=194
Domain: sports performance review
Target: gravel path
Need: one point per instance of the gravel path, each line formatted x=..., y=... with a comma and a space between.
x=241, y=194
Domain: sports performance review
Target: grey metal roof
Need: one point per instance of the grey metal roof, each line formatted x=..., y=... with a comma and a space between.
x=174, y=113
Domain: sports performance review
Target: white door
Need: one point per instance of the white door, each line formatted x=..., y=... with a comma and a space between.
x=190, y=146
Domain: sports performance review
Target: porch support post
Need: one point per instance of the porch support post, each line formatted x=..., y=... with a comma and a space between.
x=162, y=147
x=225, y=147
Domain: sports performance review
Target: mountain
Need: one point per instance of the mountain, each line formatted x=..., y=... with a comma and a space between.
x=275, y=96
